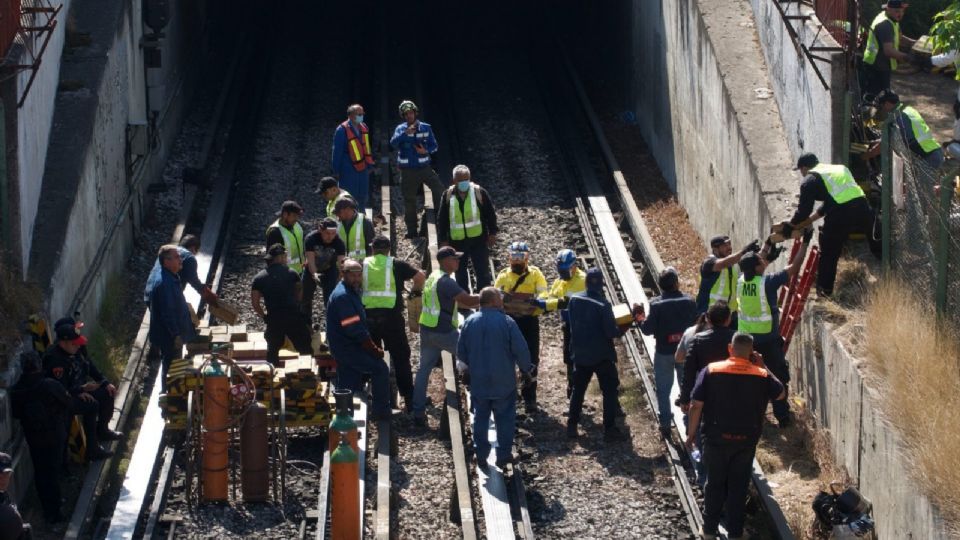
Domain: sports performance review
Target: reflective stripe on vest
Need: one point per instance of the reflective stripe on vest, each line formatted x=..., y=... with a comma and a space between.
x=379, y=287
x=293, y=241
x=873, y=46
x=461, y=228
x=755, y=316
x=839, y=181
x=430, y=314
x=360, y=154
x=422, y=159
x=723, y=288
x=921, y=131
x=354, y=240
x=330, y=204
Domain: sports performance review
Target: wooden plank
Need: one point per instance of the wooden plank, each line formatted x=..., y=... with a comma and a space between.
x=159, y=500
x=498, y=521
x=461, y=474
x=323, y=499
x=524, y=526
x=360, y=413
x=382, y=517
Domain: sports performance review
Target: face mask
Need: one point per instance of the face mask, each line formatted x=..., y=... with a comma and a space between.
x=564, y=273
x=518, y=268
x=463, y=186
x=359, y=118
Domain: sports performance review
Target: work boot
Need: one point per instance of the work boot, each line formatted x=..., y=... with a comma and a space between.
x=572, y=431
x=109, y=435
x=420, y=420
x=707, y=536
x=530, y=406
x=380, y=416
x=666, y=432
x=785, y=421
x=502, y=462
x=96, y=453
x=613, y=434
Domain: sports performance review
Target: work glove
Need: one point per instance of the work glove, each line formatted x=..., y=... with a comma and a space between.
x=563, y=302
x=527, y=377
x=465, y=377
x=807, y=235
x=775, y=252
x=639, y=313
x=372, y=348
x=208, y=296
x=922, y=61
x=786, y=229
x=538, y=303
x=752, y=247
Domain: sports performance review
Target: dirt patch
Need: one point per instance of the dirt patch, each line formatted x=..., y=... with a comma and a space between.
x=932, y=94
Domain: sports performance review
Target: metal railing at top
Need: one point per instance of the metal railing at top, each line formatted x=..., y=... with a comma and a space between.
x=840, y=18
x=9, y=24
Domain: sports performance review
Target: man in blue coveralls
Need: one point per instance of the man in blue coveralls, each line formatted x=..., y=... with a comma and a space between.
x=352, y=158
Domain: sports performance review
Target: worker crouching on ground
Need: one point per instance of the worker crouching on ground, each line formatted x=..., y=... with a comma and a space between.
x=331, y=192
x=467, y=221
x=731, y=398
x=279, y=287
x=489, y=350
x=760, y=316
x=845, y=211
x=352, y=158
x=671, y=314
x=571, y=280
x=383, y=278
x=287, y=231
x=522, y=285
x=352, y=345
x=325, y=253
x=719, y=272
x=913, y=128
x=91, y=394
x=414, y=142
x=354, y=229
x=439, y=321
x=592, y=330
x=171, y=324
x=43, y=407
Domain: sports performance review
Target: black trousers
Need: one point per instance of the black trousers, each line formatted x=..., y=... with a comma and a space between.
x=96, y=414
x=478, y=253
x=565, y=330
x=168, y=351
x=855, y=216
x=530, y=329
x=388, y=327
x=872, y=80
x=728, y=468
x=606, y=372
x=328, y=281
x=47, y=451
x=291, y=325
x=776, y=361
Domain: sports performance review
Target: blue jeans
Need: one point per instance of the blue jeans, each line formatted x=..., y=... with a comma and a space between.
x=504, y=419
x=664, y=367
x=431, y=345
x=350, y=375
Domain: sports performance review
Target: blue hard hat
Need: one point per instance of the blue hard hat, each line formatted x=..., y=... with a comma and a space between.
x=519, y=247
x=566, y=259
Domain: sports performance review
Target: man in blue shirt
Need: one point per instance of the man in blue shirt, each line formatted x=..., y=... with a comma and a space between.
x=592, y=330
x=351, y=345
x=489, y=348
x=352, y=159
x=671, y=314
x=170, y=322
x=414, y=142
x=188, y=249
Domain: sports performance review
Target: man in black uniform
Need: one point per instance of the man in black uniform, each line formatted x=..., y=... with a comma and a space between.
x=280, y=289
x=43, y=405
x=325, y=252
x=731, y=396
x=382, y=297
x=91, y=393
x=708, y=346
x=11, y=524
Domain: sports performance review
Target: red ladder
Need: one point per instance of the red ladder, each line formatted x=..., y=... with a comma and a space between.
x=794, y=296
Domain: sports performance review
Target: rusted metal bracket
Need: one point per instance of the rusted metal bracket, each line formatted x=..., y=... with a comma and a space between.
x=29, y=32
x=801, y=48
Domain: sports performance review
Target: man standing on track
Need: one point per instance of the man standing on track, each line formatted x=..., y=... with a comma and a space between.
x=355, y=229
x=188, y=249
x=170, y=322
x=489, y=350
x=325, y=253
x=352, y=159
x=279, y=287
x=467, y=221
x=571, y=280
x=414, y=142
x=383, y=278
x=287, y=231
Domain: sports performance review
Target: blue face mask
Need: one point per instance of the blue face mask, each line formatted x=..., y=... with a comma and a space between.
x=359, y=118
x=464, y=185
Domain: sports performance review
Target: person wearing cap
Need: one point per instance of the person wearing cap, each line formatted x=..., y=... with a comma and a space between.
x=352, y=159
x=414, y=143
x=11, y=523
x=882, y=50
x=845, y=211
x=279, y=287
x=331, y=192
x=355, y=229
x=718, y=273
x=171, y=324
x=671, y=314
x=913, y=128
x=439, y=321
x=571, y=280
x=592, y=331
x=760, y=316
x=730, y=396
x=467, y=221
x=43, y=407
x=287, y=231
x=352, y=345
x=91, y=394
x=382, y=285
x=489, y=351
x=188, y=249
x=522, y=285
x=325, y=253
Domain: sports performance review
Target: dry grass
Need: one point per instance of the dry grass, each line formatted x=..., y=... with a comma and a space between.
x=110, y=340
x=917, y=364
x=18, y=300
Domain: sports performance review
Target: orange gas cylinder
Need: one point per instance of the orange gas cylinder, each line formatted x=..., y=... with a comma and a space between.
x=254, y=462
x=216, y=439
x=345, y=502
x=342, y=424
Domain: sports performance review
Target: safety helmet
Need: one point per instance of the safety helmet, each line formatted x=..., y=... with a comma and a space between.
x=566, y=259
x=408, y=105
x=519, y=250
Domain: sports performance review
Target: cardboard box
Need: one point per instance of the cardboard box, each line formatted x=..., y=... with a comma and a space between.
x=623, y=314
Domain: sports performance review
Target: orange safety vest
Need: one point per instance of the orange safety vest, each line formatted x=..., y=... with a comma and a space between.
x=360, y=155
x=736, y=366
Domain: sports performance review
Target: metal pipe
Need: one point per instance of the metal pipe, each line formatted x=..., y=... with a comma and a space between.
x=886, y=191
x=4, y=202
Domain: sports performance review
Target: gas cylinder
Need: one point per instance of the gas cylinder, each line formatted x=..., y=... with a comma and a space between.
x=216, y=439
x=254, y=464
x=345, y=503
x=342, y=424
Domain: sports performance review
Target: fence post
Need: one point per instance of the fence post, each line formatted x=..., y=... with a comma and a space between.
x=845, y=135
x=886, y=191
x=943, y=244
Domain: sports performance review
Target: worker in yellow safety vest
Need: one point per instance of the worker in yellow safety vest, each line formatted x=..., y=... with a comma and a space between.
x=355, y=229
x=467, y=221
x=331, y=192
x=882, y=50
x=571, y=280
x=914, y=130
x=287, y=231
x=718, y=273
x=522, y=285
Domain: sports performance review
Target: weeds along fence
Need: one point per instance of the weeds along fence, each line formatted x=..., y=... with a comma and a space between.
x=921, y=225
